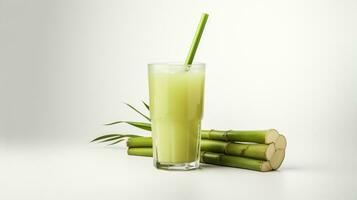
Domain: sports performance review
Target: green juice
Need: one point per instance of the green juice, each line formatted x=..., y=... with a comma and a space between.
x=176, y=108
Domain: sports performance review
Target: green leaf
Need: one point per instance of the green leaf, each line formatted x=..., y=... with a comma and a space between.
x=104, y=137
x=141, y=125
x=146, y=105
x=116, y=142
x=132, y=136
x=111, y=139
x=121, y=136
x=136, y=110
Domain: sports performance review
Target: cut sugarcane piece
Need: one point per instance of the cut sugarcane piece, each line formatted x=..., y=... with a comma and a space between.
x=235, y=161
x=257, y=151
x=256, y=136
x=280, y=143
x=147, y=151
x=216, y=159
x=277, y=158
x=142, y=151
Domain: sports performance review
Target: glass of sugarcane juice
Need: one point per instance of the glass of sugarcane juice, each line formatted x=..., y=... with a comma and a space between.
x=176, y=109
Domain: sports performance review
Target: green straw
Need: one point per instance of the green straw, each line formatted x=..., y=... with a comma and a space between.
x=196, y=39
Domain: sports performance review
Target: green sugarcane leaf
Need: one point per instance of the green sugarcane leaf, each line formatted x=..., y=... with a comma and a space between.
x=104, y=137
x=146, y=105
x=116, y=142
x=121, y=136
x=136, y=110
x=111, y=139
x=130, y=135
x=141, y=125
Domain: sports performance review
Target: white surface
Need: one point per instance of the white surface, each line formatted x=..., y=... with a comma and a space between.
x=66, y=66
x=95, y=172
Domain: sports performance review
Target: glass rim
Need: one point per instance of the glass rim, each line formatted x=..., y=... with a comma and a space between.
x=177, y=64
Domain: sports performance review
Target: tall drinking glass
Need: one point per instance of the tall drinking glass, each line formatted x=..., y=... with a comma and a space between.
x=176, y=109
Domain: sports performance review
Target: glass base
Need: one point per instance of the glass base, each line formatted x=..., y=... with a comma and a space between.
x=177, y=166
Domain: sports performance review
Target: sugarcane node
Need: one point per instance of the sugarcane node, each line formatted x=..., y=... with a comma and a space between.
x=220, y=157
x=203, y=156
x=225, y=135
x=243, y=150
x=210, y=133
x=226, y=146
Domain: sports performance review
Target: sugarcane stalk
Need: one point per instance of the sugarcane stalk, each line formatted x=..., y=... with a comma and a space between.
x=235, y=161
x=147, y=151
x=216, y=159
x=256, y=136
x=140, y=151
x=139, y=142
x=257, y=151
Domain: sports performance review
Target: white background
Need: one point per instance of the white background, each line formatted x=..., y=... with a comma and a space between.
x=67, y=66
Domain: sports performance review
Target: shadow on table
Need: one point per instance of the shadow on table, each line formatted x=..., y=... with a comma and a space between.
x=204, y=166
x=208, y=166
